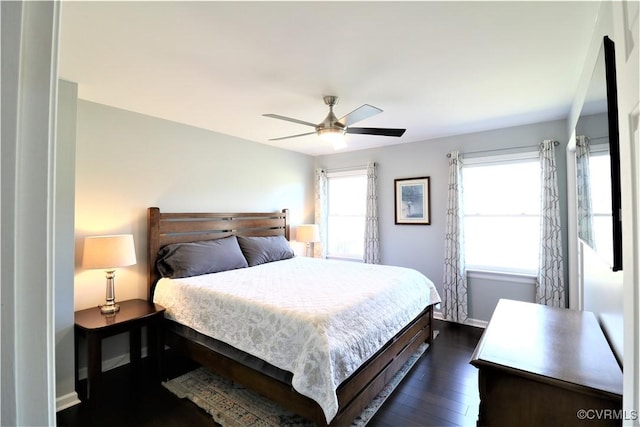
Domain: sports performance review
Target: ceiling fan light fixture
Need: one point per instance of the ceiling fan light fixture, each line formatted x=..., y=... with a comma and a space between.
x=335, y=136
x=332, y=129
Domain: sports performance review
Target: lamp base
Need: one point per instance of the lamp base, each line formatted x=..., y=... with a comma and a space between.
x=109, y=308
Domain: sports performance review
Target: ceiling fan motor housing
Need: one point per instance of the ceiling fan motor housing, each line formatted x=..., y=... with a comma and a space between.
x=330, y=124
x=330, y=100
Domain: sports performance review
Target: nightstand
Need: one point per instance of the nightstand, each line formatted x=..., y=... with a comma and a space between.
x=95, y=326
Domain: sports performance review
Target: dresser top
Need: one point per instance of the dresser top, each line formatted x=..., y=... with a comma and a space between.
x=551, y=344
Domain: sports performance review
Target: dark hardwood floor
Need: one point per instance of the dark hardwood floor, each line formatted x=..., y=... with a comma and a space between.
x=440, y=390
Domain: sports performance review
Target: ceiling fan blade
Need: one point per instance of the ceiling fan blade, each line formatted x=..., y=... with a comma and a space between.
x=360, y=113
x=289, y=119
x=291, y=136
x=377, y=131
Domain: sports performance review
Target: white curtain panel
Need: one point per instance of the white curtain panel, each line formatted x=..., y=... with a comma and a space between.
x=371, y=236
x=321, y=213
x=455, y=276
x=550, y=288
x=585, y=211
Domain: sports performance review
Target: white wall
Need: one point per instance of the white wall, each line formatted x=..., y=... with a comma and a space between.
x=422, y=247
x=626, y=18
x=29, y=84
x=64, y=248
x=126, y=162
x=11, y=28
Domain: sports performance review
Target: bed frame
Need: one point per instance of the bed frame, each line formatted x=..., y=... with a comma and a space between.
x=354, y=394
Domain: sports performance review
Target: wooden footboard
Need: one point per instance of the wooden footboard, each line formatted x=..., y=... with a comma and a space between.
x=354, y=394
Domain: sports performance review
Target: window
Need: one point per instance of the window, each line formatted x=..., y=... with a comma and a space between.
x=600, y=171
x=346, y=205
x=501, y=209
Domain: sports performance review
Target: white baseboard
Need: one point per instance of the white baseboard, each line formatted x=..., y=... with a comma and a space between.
x=471, y=322
x=67, y=401
x=477, y=323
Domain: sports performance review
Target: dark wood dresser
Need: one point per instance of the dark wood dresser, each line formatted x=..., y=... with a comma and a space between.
x=544, y=366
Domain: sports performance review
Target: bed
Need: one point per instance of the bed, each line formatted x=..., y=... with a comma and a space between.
x=321, y=384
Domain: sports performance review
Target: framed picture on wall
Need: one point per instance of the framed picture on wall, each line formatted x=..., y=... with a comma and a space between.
x=412, y=201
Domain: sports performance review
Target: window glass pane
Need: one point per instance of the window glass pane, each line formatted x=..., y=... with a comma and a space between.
x=511, y=188
x=501, y=205
x=347, y=195
x=507, y=243
x=603, y=230
x=347, y=208
x=346, y=237
x=600, y=171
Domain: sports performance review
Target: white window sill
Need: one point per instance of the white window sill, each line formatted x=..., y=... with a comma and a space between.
x=503, y=276
x=345, y=258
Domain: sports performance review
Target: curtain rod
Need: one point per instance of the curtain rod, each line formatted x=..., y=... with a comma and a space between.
x=555, y=144
x=597, y=138
x=348, y=168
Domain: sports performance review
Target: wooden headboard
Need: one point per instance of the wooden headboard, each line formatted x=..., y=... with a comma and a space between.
x=165, y=228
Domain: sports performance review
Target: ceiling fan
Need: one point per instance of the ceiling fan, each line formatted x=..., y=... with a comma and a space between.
x=333, y=129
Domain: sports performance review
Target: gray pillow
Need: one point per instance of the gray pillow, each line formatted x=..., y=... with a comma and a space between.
x=192, y=259
x=260, y=250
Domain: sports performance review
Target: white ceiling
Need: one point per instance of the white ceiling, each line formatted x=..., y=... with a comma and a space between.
x=435, y=68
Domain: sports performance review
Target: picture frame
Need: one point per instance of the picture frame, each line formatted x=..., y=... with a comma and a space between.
x=413, y=200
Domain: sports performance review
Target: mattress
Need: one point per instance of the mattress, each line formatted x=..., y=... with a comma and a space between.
x=318, y=319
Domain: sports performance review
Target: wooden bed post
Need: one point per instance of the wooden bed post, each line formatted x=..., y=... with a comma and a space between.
x=153, y=246
x=287, y=227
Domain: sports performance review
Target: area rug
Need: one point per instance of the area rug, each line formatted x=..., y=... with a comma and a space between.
x=232, y=405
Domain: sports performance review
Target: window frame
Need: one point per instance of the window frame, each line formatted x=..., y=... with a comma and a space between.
x=499, y=159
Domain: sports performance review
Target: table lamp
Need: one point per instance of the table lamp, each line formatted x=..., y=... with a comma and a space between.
x=108, y=253
x=308, y=233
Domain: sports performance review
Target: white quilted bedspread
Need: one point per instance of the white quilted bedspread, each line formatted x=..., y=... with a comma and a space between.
x=319, y=319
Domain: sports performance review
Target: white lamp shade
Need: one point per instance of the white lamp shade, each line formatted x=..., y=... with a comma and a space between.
x=308, y=233
x=108, y=252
